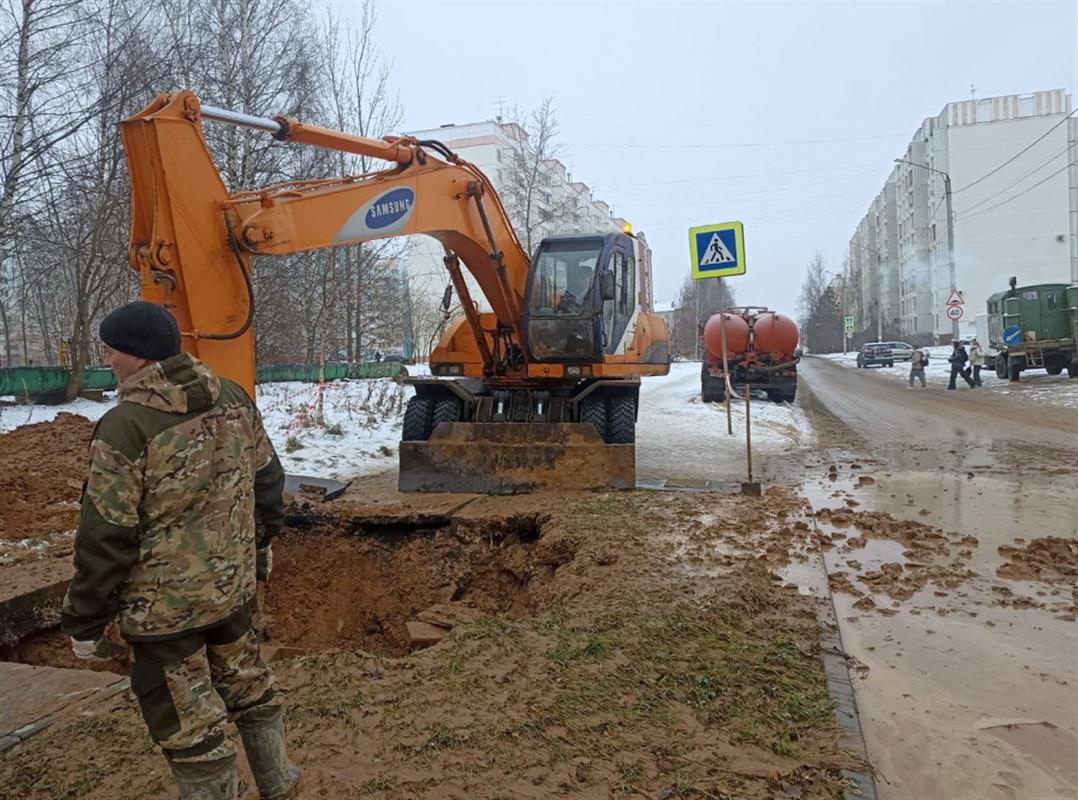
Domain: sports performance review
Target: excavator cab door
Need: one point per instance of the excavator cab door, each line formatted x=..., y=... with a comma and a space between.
x=619, y=310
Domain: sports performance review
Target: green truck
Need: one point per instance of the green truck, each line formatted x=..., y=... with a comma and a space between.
x=1034, y=327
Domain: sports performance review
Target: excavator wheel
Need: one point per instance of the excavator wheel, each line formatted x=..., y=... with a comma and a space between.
x=417, y=419
x=593, y=411
x=446, y=409
x=621, y=421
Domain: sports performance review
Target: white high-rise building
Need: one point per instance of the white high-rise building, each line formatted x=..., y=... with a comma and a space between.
x=1014, y=183
x=490, y=146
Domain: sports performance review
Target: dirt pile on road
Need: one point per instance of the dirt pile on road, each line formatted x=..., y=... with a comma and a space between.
x=1051, y=559
x=42, y=467
x=928, y=556
x=617, y=644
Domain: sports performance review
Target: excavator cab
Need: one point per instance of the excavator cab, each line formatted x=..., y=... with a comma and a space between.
x=580, y=297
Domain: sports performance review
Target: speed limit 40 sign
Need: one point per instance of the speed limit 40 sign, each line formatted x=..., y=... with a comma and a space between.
x=954, y=313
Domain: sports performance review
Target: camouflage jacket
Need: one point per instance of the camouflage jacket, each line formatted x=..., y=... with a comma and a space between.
x=179, y=469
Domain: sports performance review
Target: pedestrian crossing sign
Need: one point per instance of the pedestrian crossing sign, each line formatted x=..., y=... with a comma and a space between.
x=718, y=251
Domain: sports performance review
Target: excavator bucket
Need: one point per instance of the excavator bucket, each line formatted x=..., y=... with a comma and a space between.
x=515, y=458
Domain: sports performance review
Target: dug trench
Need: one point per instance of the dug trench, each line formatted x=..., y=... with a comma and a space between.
x=385, y=586
x=591, y=644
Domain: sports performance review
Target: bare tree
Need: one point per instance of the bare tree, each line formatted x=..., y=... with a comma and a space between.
x=531, y=199
x=819, y=311
x=39, y=109
x=697, y=301
x=362, y=102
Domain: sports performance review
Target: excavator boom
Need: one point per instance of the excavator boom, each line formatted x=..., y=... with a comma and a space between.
x=550, y=368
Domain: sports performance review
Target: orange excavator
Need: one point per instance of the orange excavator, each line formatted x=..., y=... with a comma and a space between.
x=539, y=392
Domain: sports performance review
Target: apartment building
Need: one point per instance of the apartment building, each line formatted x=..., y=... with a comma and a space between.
x=1015, y=212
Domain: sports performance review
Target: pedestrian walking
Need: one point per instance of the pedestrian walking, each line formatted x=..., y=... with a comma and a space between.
x=958, y=359
x=183, y=498
x=976, y=361
x=918, y=361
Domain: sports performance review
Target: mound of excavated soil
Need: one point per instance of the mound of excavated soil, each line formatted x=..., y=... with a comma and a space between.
x=42, y=467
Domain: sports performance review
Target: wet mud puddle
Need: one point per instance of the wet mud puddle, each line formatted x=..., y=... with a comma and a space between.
x=956, y=593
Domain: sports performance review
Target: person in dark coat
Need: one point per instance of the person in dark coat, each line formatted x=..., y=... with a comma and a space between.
x=958, y=359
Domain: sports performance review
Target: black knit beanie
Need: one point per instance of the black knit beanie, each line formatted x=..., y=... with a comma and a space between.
x=144, y=330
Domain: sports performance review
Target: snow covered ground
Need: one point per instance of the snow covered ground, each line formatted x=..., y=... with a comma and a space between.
x=1036, y=385
x=360, y=436
x=15, y=416
x=680, y=436
x=362, y=425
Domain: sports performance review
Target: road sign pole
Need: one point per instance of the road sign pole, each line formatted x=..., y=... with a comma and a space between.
x=950, y=248
x=725, y=364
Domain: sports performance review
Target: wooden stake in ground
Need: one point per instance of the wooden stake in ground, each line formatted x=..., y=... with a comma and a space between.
x=748, y=429
x=725, y=365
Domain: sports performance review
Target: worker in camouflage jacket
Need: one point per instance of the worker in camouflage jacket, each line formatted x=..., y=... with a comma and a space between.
x=183, y=497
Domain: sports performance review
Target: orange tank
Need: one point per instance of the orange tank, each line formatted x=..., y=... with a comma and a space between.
x=775, y=334
x=737, y=335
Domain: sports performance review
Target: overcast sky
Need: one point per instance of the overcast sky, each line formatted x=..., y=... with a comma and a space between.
x=785, y=116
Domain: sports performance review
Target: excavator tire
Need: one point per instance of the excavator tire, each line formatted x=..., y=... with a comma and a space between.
x=593, y=411
x=621, y=422
x=446, y=409
x=417, y=419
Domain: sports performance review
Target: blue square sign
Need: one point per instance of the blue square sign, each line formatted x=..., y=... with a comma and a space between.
x=717, y=250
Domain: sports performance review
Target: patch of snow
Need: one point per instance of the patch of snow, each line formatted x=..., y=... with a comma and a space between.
x=362, y=427
x=15, y=416
x=671, y=410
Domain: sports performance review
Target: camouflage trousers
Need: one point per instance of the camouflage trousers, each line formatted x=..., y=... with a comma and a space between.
x=188, y=685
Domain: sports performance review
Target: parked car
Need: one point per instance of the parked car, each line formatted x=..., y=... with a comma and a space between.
x=400, y=359
x=875, y=353
x=902, y=351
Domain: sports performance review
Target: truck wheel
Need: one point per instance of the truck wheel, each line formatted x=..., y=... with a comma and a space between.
x=1001, y=366
x=593, y=410
x=1014, y=369
x=790, y=394
x=1054, y=368
x=1072, y=369
x=446, y=409
x=890, y=363
x=417, y=419
x=621, y=424
x=718, y=390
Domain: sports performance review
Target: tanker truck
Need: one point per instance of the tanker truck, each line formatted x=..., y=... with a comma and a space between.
x=761, y=350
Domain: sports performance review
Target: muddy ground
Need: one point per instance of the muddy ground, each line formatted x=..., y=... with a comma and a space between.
x=595, y=645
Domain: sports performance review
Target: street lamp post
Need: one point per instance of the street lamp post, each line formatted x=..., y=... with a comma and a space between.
x=950, y=231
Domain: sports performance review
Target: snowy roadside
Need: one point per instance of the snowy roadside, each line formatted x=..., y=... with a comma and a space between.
x=1036, y=385
x=360, y=435
x=678, y=436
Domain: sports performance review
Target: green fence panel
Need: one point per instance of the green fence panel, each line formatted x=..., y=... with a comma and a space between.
x=377, y=369
x=43, y=381
x=46, y=381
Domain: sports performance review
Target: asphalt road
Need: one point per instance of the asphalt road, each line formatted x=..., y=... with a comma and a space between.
x=885, y=411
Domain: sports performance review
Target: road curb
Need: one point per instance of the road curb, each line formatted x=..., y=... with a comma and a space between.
x=840, y=688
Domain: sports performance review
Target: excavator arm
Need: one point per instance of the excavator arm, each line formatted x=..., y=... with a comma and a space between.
x=192, y=241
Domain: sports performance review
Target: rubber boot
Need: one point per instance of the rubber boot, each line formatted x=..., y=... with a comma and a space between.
x=262, y=731
x=206, y=780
